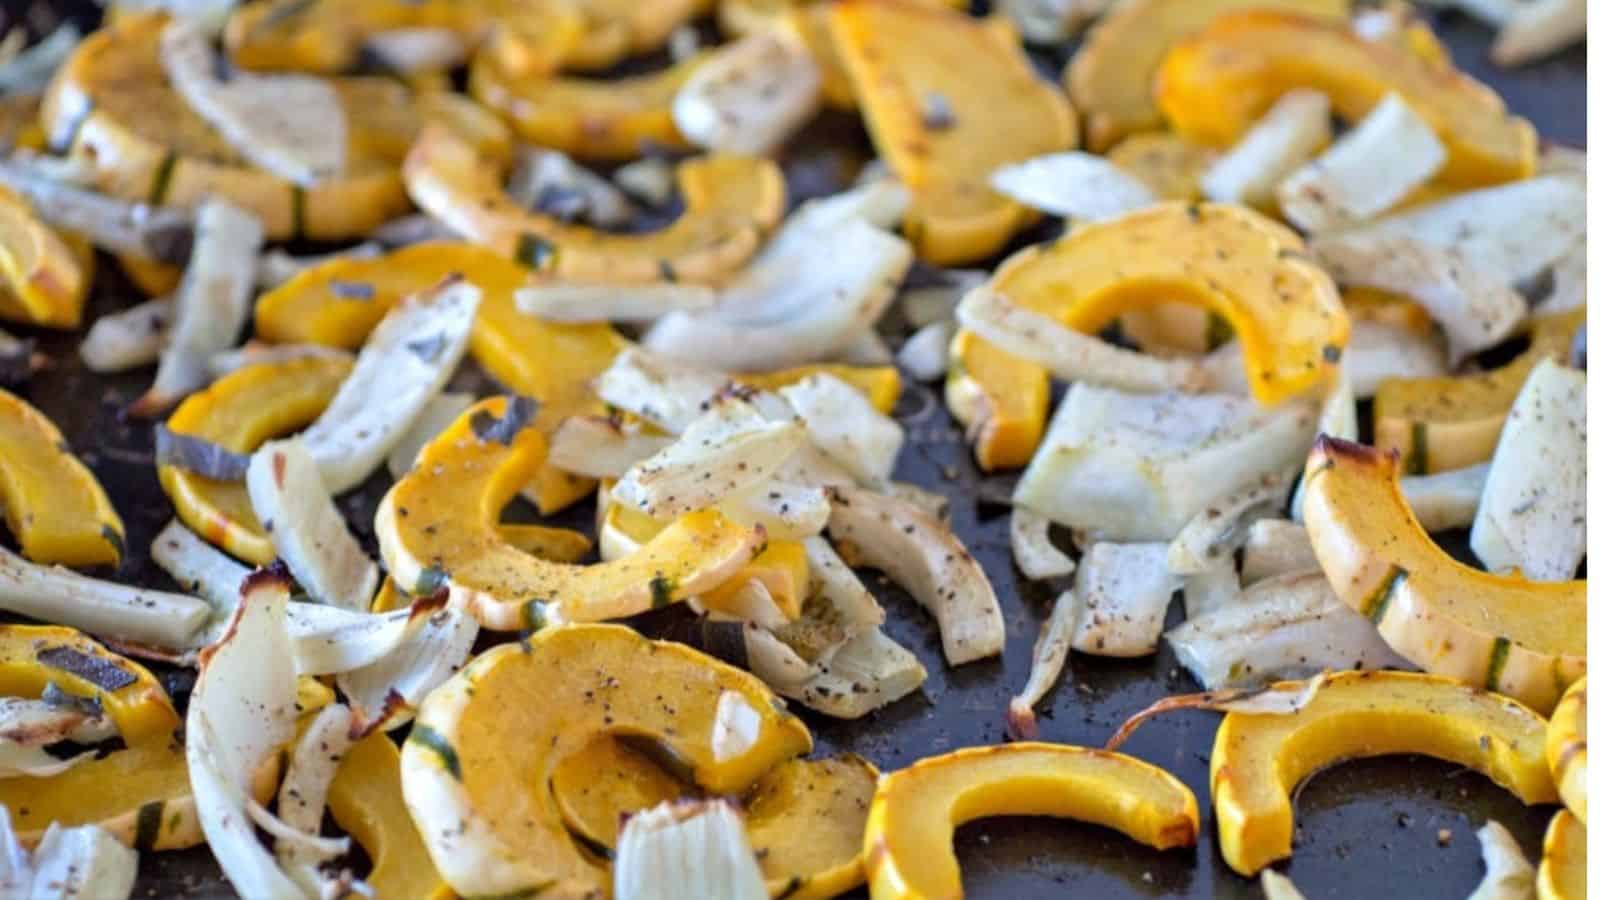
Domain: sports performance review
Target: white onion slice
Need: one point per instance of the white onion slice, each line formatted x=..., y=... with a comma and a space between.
x=414, y=50
x=1538, y=29
x=787, y=511
x=550, y=182
x=28, y=726
x=1031, y=548
x=1507, y=873
x=1379, y=350
x=128, y=338
x=307, y=530
x=925, y=355
x=255, y=353
x=687, y=850
x=1288, y=626
x=1276, y=547
x=328, y=640
x=84, y=862
x=1533, y=514
x=924, y=557
x=601, y=447
x=275, y=267
x=303, y=795
x=120, y=226
x=1211, y=590
x=1072, y=184
x=1211, y=537
x=575, y=302
x=1336, y=418
x=104, y=609
x=1276, y=886
x=865, y=673
x=241, y=712
x=1369, y=169
x=212, y=302
x=846, y=427
x=749, y=96
x=1570, y=275
x=661, y=391
x=1051, y=22
x=1445, y=500
x=1292, y=130
x=1069, y=354
x=726, y=451
x=865, y=349
x=1049, y=657
x=402, y=366
x=29, y=72
x=202, y=570
x=385, y=693
x=436, y=416
x=290, y=125
x=1124, y=591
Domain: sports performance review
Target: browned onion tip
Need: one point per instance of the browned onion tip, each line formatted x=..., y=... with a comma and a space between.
x=1021, y=722
x=362, y=724
x=1282, y=698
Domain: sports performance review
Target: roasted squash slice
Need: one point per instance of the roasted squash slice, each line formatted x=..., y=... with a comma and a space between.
x=43, y=283
x=1110, y=77
x=19, y=122
x=476, y=769
x=437, y=527
x=240, y=412
x=152, y=278
x=605, y=119
x=140, y=795
x=144, y=142
x=729, y=204
x=1002, y=400
x=1214, y=84
x=1231, y=260
x=917, y=809
x=616, y=29
x=1564, y=870
x=1522, y=638
x=328, y=36
x=365, y=800
x=607, y=780
x=34, y=656
x=948, y=99
x=1169, y=165
x=54, y=507
x=1566, y=748
x=1453, y=421
x=1259, y=759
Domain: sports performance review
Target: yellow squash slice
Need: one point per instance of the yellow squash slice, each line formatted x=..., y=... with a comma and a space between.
x=730, y=202
x=476, y=769
x=437, y=527
x=1566, y=748
x=607, y=119
x=1259, y=759
x=1453, y=421
x=1232, y=260
x=145, y=144
x=327, y=36
x=917, y=809
x=1169, y=165
x=54, y=507
x=1110, y=77
x=948, y=99
x=34, y=656
x=613, y=30
x=1213, y=85
x=1564, y=870
x=1522, y=638
x=240, y=412
x=43, y=282
x=1002, y=399
x=365, y=800
x=152, y=278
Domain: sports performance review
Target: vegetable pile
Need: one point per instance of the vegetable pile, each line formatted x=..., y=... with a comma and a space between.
x=441, y=252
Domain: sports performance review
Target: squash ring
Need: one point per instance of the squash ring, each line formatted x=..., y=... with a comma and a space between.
x=1566, y=748
x=730, y=202
x=365, y=800
x=45, y=283
x=54, y=506
x=1564, y=870
x=1259, y=759
x=437, y=527
x=1521, y=638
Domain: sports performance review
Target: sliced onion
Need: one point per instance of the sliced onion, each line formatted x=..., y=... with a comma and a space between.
x=385, y=693
x=119, y=226
x=207, y=15
x=1507, y=873
x=1211, y=537
x=276, y=267
x=662, y=392
x=865, y=349
x=650, y=180
x=1373, y=166
x=1276, y=547
x=565, y=302
x=204, y=571
x=1124, y=590
x=18, y=358
x=1049, y=657
x=212, y=302
x=29, y=72
x=412, y=50
x=1138, y=467
x=1072, y=184
x=807, y=294
x=925, y=355
x=1282, y=699
x=402, y=366
x=1070, y=354
x=933, y=503
x=1035, y=554
x=923, y=304
x=751, y=95
x=1533, y=516
x=1293, y=130
x=846, y=427
x=687, y=850
x=418, y=228
x=602, y=447
x=83, y=862
x=1378, y=351
x=924, y=557
x=303, y=795
x=1276, y=886
x=865, y=673
x=307, y=529
x=328, y=640
x=101, y=608
x=1570, y=277
x=1288, y=626
x=1538, y=29
x=436, y=416
x=787, y=511
x=1445, y=500
x=255, y=353
x=27, y=727
x=1051, y=22
x=1337, y=419
x=1211, y=590
x=127, y=339
x=242, y=710
x=726, y=451
x=550, y=182
x=290, y=125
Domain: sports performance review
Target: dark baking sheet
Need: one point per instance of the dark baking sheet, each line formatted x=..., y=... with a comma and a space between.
x=1366, y=829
